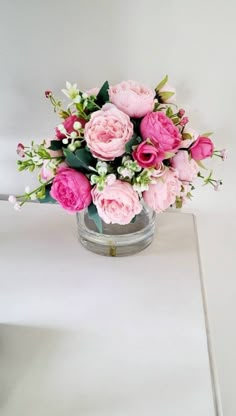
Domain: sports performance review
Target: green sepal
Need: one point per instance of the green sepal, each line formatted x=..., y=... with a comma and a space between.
x=186, y=136
x=165, y=95
x=103, y=95
x=207, y=134
x=135, y=140
x=93, y=215
x=200, y=164
x=162, y=83
x=47, y=199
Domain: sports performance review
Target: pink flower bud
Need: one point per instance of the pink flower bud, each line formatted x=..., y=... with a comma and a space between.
x=223, y=154
x=12, y=199
x=181, y=112
x=48, y=93
x=184, y=121
x=20, y=150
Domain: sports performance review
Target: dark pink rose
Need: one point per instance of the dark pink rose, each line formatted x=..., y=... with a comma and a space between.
x=202, y=148
x=69, y=126
x=71, y=189
x=148, y=156
x=161, y=130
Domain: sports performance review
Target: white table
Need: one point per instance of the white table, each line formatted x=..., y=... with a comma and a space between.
x=84, y=335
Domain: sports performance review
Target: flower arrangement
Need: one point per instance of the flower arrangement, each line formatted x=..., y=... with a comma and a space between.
x=116, y=148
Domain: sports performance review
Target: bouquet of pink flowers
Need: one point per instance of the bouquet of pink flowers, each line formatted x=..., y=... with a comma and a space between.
x=116, y=149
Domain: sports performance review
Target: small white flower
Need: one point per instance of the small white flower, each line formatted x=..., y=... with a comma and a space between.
x=35, y=147
x=33, y=197
x=77, y=125
x=85, y=95
x=65, y=141
x=126, y=173
x=76, y=99
x=224, y=154
x=110, y=179
x=73, y=135
x=101, y=168
x=217, y=185
x=17, y=207
x=12, y=199
x=27, y=189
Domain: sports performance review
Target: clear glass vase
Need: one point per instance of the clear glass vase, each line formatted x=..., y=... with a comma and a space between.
x=117, y=240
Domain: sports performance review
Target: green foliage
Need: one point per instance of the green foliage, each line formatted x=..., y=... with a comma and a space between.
x=93, y=215
x=56, y=145
x=135, y=140
x=81, y=159
x=47, y=199
x=103, y=95
x=165, y=95
x=169, y=112
x=162, y=83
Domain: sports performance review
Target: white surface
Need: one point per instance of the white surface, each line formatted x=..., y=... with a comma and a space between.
x=43, y=43
x=100, y=336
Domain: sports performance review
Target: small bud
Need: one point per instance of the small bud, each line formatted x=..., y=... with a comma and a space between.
x=73, y=135
x=27, y=189
x=61, y=128
x=181, y=112
x=184, y=121
x=77, y=125
x=72, y=147
x=224, y=154
x=12, y=199
x=85, y=95
x=17, y=207
x=65, y=141
x=48, y=94
x=77, y=144
x=20, y=150
x=33, y=197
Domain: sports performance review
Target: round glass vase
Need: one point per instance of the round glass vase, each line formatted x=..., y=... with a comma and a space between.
x=117, y=240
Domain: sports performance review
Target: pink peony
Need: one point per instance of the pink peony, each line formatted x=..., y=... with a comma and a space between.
x=71, y=189
x=117, y=203
x=161, y=130
x=163, y=193
x=147, y=155
x=69, y=126
x=202, y=148
x=187, y=168
x=134, y=99
x=107, y=132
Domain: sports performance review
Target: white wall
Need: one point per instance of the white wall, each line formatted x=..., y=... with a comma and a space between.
x=44, y=43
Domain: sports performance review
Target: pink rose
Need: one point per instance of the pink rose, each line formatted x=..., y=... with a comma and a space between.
x=202, y=148
x=69, y=126
x=117, y=203
x=71, y=189
x=187, y=169
x=107, y=132
x=148, y=156
x=163, y=193
x=134, y=99
x=161, y=130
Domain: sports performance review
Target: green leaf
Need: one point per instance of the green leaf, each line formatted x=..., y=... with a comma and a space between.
x=47, y=199
x=165, y=95
x=93, y=215
x=209, y=133
x=162, y=83
x=169, y=155
x=133, y=219
x=186, y=136
x=55, y=145
x=103, y=95
x=169, y=112
x=135, y=140
x=81, y=159
x=200, y=164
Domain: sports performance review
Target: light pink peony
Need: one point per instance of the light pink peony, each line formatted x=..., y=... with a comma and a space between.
x=161, y=130
x=107, y=132
x=148, y=156
x=133, y=98
x=202, y=148
x=117, y=203
x=93, y=91
x=71, y=189
x=69, y=126
x=187, y=168
x=163, y=193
